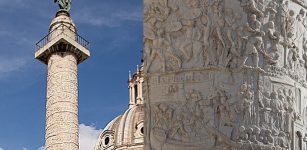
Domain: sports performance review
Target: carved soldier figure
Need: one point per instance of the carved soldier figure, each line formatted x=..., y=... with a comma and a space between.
x=238, y=28
x=266, y=109
x=194, y=111
x=268, y=138
x=273, y=36
x=293, y=58
x=163, y=116
x=206, y=34
x=272, y=10
x=221, y=107
x=290, y=25
x=158, y=47
x=217, y=23
x=192, y=46
x=246, y=104
x=178, y=131
x=284, y=105
x=305, y=20
x=254, y=43
x=305, y=52
x=300, y=24
x=301, y=15
x=281, y=140
x=242, y=136
x=277, y=107
x=281, y=18
x=255, y=137
x=230, y=20
x=250, y=7
x=290, y=111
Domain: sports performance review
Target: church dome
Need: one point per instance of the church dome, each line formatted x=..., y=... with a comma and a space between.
x=126, y=131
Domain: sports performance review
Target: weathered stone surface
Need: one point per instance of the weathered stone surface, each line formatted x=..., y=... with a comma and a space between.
x=62, y=103
x=225, y=74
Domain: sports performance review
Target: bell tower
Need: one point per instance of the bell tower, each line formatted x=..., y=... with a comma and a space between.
x=62, y=50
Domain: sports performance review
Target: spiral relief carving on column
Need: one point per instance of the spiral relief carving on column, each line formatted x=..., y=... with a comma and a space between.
x=62, y=102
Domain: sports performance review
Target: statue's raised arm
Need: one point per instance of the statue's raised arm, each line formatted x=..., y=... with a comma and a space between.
x=64, y=4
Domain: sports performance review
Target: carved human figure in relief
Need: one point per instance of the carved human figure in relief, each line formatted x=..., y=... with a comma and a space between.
x=193, y=111
x=281, y=18
x=293, y=58
x=305, y=52
x=206, y=34
x=178, y=130
x=238, y=28
x=290, y=110
x=246, y=97
x=250, y=7
x=192, y=46
x=272, y=38
x=158, y=49
x=305, y=20
x=272, y=10
x=284, y=105
x=242, y=136
x=255, y=137
x=266, y=109
x=230, y=20
x=290, y=25
x=254, y=43
x=221, y=107
x=300, y=28
x=216, y=39
x=277, y=107
x=163, y=116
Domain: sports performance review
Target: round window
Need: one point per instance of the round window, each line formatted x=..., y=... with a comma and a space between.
x=107, y=141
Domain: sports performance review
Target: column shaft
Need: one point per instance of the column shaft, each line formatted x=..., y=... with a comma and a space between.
x=62, y=103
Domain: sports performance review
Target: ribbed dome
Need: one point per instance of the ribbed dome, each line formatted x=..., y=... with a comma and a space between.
x=124, y=132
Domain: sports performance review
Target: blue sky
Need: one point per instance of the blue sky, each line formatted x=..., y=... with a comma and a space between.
x=114, y=28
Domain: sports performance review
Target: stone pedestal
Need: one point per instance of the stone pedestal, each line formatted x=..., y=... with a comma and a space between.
x=225, y=74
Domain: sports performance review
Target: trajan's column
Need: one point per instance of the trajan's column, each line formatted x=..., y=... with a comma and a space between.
x=225, y=74
x=62, y=50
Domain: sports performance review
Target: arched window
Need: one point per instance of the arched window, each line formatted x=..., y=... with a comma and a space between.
x=136, y=92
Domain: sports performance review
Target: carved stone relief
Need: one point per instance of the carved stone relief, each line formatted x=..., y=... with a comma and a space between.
x=62, y=101
x=225, y=74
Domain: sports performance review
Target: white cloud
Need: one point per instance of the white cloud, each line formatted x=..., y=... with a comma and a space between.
x=88, y=136
x=1, y=148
